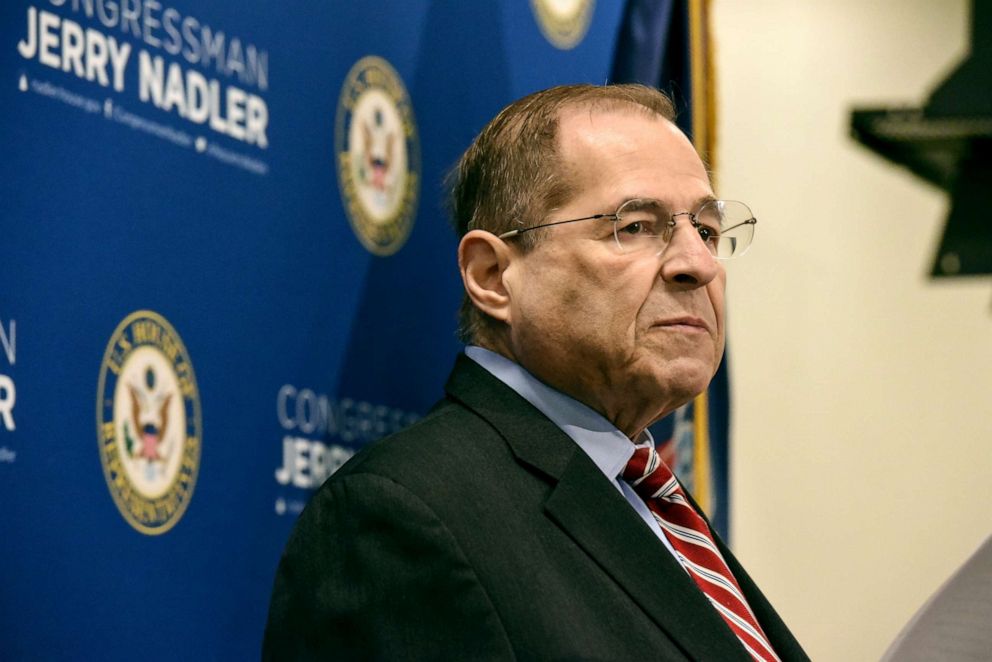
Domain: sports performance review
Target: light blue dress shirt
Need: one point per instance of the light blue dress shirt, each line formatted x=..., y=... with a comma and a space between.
x=606, y=446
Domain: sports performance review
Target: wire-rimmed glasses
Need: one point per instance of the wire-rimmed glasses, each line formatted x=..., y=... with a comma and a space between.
x=644, y=225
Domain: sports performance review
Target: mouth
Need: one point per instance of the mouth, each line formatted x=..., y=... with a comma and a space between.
x=687, y=324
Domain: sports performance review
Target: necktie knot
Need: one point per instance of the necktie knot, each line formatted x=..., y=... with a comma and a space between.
x=650, y=476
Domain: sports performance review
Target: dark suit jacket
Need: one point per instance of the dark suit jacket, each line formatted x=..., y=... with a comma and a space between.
x=484, y=532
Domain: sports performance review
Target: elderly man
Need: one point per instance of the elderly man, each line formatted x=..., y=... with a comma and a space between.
x=527, y=516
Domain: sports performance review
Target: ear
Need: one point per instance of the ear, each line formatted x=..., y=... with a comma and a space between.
x=482, y=259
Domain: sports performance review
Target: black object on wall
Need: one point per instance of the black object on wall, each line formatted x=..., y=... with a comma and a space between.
x=948, y=142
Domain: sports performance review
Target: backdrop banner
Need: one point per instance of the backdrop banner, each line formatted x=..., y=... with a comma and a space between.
x=225, y=265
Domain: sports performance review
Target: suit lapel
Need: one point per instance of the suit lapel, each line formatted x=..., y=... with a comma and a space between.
x=589, y=509
x=779, y=635
x=597, y=517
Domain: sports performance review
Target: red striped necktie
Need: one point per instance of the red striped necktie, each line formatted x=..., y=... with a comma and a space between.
x=695, y=548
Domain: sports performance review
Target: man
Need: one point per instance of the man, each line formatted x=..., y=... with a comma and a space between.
x=508, y=524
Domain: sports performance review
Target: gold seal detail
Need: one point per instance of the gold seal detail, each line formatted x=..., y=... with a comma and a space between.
x=148, y=422
x=378, y=155
x=563, y=22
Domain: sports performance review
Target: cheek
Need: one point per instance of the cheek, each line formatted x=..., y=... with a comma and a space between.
x=716, y=296
x=571, y=297
x=716, y=290
x=545, y=303
x=583, y=303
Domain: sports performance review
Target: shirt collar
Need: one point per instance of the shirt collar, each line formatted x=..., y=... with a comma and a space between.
x=605, y=445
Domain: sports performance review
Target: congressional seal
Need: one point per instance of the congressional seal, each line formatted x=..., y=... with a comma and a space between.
x=378, y=155
x=148, y=422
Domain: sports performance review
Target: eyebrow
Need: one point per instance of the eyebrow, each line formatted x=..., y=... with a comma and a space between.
x=699, y=202
x=709, y=197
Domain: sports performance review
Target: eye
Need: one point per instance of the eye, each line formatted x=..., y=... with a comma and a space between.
x=707, y=233
x=632, y=227
x=708, y=222
x=639, y=223
x=634, y=222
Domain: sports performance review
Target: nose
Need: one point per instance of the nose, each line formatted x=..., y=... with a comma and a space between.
x=685, y=260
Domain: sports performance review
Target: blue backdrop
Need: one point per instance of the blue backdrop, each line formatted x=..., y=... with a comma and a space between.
x=224, y=266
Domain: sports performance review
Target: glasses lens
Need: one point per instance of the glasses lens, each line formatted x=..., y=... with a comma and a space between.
x=731, y=224
x=640, y=226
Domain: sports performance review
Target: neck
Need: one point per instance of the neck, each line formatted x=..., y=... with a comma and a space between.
x=628, y=417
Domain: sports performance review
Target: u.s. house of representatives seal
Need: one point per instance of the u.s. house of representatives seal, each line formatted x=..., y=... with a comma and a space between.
x=563, y=22
x=148, y=422
x=378, y=155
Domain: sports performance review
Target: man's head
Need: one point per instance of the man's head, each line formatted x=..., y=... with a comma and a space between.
x=512, y=174
x=632, y=336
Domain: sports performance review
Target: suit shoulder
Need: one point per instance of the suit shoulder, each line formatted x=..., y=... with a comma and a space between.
x=449, y=437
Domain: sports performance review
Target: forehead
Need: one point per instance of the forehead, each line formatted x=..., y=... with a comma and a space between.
x=629, y=152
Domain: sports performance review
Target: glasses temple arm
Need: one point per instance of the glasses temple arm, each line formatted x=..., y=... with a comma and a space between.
x=750, y=221
x=514, y=233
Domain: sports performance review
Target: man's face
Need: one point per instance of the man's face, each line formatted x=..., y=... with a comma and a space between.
x=634, y=338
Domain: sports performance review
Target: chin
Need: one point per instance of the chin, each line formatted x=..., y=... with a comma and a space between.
x=684, y=380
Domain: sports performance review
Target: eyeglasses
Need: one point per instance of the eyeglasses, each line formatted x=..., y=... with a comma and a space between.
x=643, y=225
